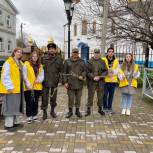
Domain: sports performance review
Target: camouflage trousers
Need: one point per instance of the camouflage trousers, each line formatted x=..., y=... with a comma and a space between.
x=49, y=93
x=74, y=97
x=91, y=92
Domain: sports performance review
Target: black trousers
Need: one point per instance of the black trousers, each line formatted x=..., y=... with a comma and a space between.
x=45, y=97
x=32, y=103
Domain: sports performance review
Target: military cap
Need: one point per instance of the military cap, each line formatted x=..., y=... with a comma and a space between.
x=51, y=45
x=75, y=50
x=96, y=50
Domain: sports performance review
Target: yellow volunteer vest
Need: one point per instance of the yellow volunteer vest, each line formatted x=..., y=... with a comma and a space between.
x=123, y=83
x=31, y=76
x=115, y=66
x=14, y=76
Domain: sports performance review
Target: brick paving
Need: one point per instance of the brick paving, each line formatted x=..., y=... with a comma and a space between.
x=114, y=133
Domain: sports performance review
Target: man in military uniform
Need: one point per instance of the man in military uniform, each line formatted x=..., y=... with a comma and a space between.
x=96, y=71
x=74, y=74
x=53, y=65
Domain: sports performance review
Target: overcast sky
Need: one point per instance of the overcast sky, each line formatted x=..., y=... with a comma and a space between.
x=42, y=18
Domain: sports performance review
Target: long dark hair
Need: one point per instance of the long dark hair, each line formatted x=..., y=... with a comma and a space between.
x=126, y=65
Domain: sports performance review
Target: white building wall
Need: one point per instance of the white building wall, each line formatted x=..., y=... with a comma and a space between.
x=7, y=28
x=120, y=46
x=75, y=40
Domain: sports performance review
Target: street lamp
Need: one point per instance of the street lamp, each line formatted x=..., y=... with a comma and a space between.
x=22, y=43
x=69, y=8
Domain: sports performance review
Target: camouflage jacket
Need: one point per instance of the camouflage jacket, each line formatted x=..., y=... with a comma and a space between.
x=72, y=70
x=96, y=67
x=53, y=67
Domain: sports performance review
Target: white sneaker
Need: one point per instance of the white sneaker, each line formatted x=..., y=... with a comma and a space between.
x=35, y=118
x=128, y=112
x=123, y=111
x=29, y=120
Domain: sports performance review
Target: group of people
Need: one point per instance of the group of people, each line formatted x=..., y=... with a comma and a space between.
x=41, y=75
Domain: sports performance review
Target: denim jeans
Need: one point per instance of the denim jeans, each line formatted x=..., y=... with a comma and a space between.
x=126, y=101
x=109, y=89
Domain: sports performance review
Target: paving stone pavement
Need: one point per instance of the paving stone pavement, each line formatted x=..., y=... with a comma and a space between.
x=114, y=133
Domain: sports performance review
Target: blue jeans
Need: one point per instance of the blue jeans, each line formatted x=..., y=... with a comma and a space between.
x=109, y=89
x=126, y=101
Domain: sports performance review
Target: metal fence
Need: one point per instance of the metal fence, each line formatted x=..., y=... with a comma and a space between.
x=147, y=89
x=139, y=57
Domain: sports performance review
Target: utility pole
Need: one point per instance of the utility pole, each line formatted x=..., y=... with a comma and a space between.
x=22, y=43
x=104, y=26
x=21, y=35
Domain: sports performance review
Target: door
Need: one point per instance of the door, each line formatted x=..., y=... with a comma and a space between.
x=85, y=53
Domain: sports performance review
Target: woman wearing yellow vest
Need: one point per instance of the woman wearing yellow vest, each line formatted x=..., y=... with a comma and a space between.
x=110, y=79
x=11, y=85
x=128, y=75
x=34, y=76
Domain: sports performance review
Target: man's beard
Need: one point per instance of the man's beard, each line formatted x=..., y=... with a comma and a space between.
x=52, y=54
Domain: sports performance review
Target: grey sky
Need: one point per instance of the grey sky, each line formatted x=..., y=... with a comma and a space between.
x=43, y=18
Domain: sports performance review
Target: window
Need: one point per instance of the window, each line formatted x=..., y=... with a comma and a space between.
x=1, y=17
x=9, y=46
x=1, y=44
x=8, y=21
x=94, y=27
x=75, y=29
x=84, y=27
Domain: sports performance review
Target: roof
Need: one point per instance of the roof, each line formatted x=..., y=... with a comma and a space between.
x=12, y=6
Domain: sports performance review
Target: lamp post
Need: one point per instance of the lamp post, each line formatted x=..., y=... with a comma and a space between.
x=69, y=8
x=22, y=43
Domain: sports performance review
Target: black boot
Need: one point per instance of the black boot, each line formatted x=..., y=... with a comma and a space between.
x=77, y=113
x=88, y=111
x=70, y=113
x=52, y=113
x=44, y=114
x=100, y=111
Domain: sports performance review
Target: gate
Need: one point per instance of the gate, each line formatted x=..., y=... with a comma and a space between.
x=147, y=89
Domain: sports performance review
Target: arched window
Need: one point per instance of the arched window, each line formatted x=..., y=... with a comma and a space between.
x=84, y=27
x=9, y=46
x=75, y=29
x=8, y=21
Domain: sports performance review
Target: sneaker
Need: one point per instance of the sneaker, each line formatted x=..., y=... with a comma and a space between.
x=29, y=120
x=128, y=112
x=35, y=118
x=123, y=111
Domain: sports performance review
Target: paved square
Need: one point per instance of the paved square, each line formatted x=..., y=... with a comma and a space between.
x=112, y=133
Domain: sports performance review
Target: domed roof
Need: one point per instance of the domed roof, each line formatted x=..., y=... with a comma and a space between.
x=50, y=40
